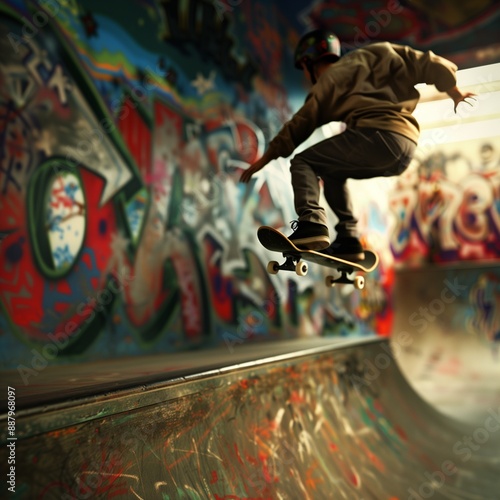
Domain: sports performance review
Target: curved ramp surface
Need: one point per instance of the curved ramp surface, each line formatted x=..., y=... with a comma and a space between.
x=449, y=349
x=340, y=423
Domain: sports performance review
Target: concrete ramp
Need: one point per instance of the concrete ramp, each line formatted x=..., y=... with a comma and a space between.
x=449, y=349
x=332, y=421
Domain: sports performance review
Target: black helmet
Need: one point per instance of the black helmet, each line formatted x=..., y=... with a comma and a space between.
x=314, y=46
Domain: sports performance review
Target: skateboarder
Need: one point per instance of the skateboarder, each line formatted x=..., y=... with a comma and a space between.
x=371, y=90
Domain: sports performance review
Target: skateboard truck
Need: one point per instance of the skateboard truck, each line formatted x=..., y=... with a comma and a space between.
x=358, y=281
x=292, y=263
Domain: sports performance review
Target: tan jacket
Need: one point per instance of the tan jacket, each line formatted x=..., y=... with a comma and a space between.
x=369, y=87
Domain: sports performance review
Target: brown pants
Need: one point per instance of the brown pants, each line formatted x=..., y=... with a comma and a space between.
x=358, y=153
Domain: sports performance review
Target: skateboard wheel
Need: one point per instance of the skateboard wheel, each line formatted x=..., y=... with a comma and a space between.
x=273, y=267
x=301, y=268
x=359, y=282
x=329, y=281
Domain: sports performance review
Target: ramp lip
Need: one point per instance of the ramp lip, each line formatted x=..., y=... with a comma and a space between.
x=86, y=408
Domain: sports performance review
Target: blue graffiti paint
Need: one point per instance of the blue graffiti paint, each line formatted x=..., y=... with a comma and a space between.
x=103, y=227
x=79, y=289
x=14, y=252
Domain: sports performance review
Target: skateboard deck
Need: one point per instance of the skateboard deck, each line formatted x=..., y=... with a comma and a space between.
x=274, y=240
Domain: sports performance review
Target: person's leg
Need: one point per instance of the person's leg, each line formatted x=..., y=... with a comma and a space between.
x=356, y=153
x=338, y=197
x=311, y=229
x=306, y=191
x=335, y=160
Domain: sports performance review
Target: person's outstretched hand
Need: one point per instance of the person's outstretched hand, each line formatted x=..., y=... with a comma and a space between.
x=458, y=96
x=255, y=167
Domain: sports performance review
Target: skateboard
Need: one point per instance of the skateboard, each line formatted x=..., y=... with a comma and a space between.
x=274, y=240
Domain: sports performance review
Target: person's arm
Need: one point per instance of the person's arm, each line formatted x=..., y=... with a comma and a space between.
x=293, y=133
x=256, y=166
x=434, y=70
x=427, y=67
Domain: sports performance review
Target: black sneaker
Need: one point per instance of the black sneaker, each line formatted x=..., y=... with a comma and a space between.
x=346, y=247
x=309, y=235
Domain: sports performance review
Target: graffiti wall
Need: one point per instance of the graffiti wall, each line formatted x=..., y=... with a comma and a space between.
x=446, y=207
x=124, y=229
x=465, y=32
x=123, y=133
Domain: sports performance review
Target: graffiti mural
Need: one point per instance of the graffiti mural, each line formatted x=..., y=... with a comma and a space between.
x=124, y=227
x=446, y=205
x=465, y=32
